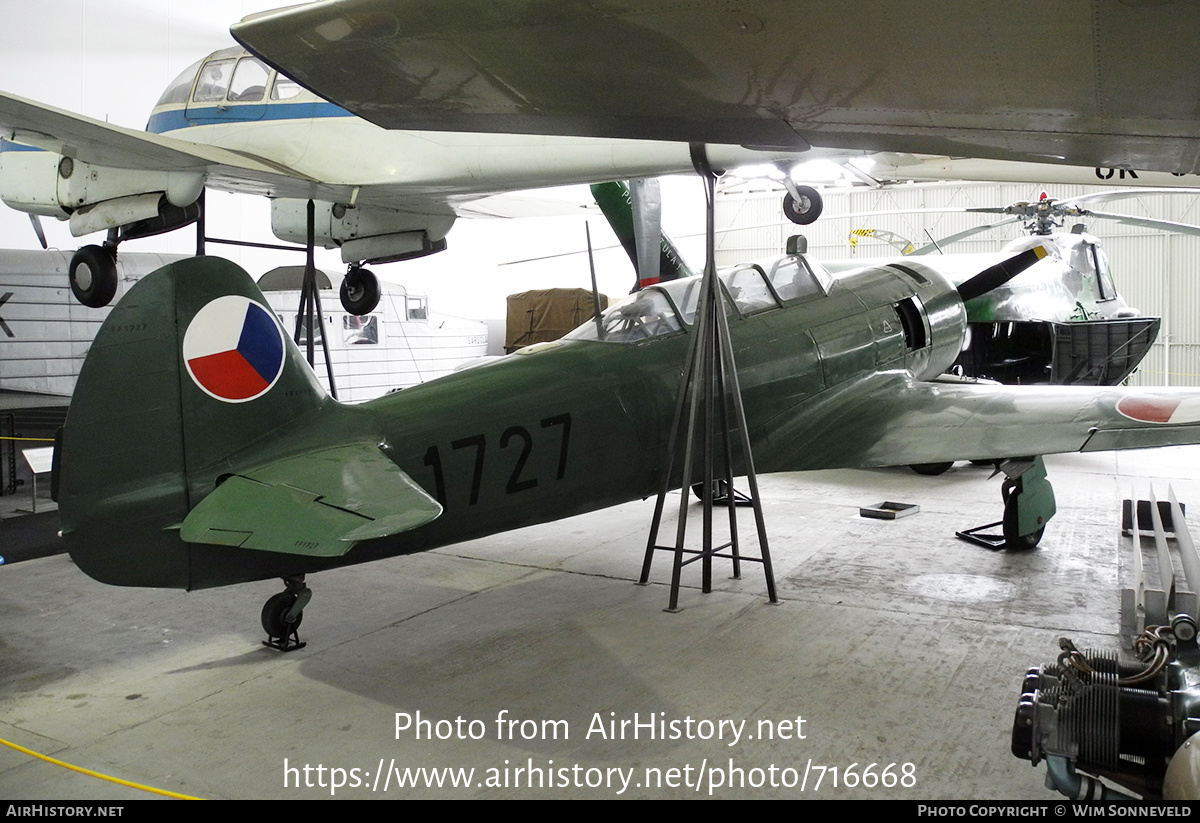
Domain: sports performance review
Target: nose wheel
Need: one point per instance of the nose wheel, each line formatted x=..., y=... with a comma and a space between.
x=282, y=613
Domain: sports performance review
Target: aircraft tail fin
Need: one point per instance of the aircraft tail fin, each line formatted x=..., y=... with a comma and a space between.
x=190, y=369
x=200, y=450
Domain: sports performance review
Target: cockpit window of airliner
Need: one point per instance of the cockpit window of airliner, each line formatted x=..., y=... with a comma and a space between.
x=180, y=87
x=249, y=81
x=416, y=308
x=214, y=79
x=285, y=88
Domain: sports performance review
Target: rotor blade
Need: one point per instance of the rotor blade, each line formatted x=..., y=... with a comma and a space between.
x=995, y=276
x=858, y=214
x=1120, y=194
x=37, y=229
x=1146, y=222
x=646, y=198
x=962, y=235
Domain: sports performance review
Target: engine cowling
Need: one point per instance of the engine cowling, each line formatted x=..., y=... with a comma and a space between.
x=369, y=234
x=92, y=197
x=916, y=316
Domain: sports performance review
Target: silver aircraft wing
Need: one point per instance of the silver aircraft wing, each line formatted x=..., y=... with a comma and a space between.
x=889, y=419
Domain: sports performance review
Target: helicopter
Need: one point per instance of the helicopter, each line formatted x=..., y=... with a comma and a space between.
x=1061, y=322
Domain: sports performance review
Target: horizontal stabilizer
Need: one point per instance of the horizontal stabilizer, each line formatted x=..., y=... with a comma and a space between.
x=317, y=504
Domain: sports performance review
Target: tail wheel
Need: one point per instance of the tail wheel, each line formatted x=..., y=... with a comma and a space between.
x=931, y=469
x=93, y=275
x=360, y=291
x=804, y=209
x=275, y=612
x=719, y=490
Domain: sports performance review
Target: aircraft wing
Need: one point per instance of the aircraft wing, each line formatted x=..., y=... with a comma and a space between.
x=29, y=123
x=890, y=419
x=74, y=135
x=1089, y=84
x=318, y=504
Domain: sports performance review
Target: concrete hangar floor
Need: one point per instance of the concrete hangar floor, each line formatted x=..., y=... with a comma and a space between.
x=894, y=642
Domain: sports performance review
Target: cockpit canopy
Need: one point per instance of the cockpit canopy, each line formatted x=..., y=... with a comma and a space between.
x=668, y=307
x=232, y=75
x=1088, y=274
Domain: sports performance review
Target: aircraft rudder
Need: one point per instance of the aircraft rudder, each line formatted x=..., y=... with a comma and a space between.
x=189, y=369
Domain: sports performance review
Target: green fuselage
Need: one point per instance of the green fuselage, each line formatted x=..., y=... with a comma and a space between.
x=570, y=427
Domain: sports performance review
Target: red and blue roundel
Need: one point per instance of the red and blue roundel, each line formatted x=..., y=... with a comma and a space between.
x=233, y=349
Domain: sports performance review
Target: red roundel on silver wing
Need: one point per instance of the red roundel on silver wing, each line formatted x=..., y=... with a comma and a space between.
x=1160, y=408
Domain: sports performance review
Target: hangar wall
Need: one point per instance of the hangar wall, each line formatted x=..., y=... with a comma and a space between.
x=1156, y=272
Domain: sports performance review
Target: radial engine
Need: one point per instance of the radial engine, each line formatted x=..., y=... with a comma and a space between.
x=1111, y=731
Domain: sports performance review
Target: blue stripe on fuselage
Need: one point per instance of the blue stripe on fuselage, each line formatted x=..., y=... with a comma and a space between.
x=176, y=119
x=8, y=145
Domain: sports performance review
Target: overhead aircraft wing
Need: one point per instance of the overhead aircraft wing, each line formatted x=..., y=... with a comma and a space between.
x=30, y=123
x=1099, y=83
x=889, y=419
x=84, y=138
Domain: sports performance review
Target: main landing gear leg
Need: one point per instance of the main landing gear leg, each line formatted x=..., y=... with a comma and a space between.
x=1028, y=506
x=282, y=613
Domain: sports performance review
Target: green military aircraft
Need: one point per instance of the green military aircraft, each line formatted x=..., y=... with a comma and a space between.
x=200, y=451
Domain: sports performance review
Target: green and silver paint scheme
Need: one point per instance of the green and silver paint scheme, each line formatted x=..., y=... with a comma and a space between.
x=163, y=485
x=616, y=204
x=1073, y=282
x=1060, y=321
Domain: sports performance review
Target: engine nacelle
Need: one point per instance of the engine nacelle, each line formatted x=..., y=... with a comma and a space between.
x=50, y=184
x=29, y=180
x=364, y=233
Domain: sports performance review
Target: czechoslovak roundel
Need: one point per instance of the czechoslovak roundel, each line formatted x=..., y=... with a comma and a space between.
x=233, y=349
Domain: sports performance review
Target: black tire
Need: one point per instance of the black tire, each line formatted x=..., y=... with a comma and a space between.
x=360, y=291
x=807, y=209
x=719, y=490
x=274, y=613
x=1012, y=540
x=93, y=276
x=931, y=469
